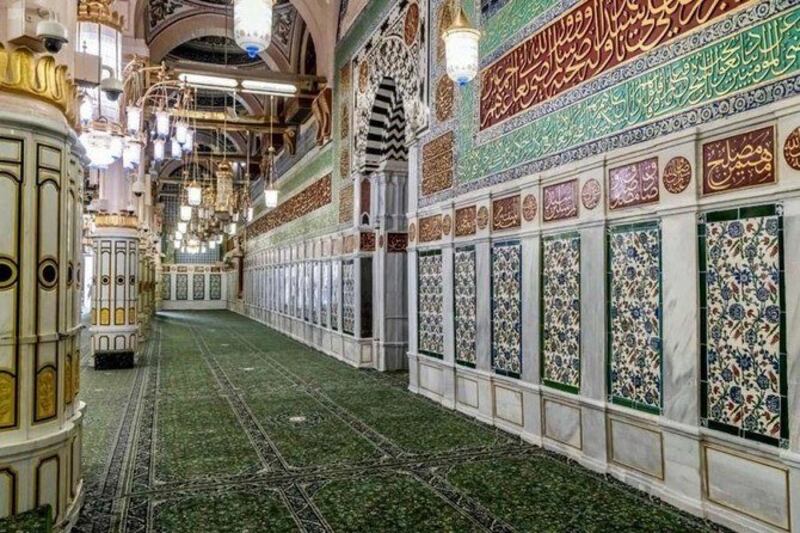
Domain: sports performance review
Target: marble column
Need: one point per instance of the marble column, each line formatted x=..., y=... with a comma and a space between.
x=41, y=181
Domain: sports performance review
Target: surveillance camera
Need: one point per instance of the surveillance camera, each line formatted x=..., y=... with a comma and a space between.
x=112, y=87
x=137, y=189
x=53, y=34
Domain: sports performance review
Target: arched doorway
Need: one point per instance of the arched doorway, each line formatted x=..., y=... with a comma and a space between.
x=383, y=196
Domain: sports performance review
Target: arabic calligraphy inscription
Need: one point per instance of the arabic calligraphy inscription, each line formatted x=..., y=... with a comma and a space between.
x=506, y=213
x=590, y=194
x=466, y=221
x=743, y=160
x=791, y=149
x=634, y=184
x=560, y=201
x=677, y=175
x=582, y=43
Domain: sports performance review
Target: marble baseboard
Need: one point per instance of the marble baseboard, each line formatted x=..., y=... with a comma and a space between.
x=740, y=485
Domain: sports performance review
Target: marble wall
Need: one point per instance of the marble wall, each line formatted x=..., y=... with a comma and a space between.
x=197, y=287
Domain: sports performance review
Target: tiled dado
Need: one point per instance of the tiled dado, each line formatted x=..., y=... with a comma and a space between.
x=665, y=394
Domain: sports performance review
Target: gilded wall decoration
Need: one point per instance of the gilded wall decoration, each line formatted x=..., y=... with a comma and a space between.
x=677, y=175
x=412, y=232
x=396, y=242
x=363, y=76
x=445, y=20
x=506, y=213
x=437, y=164
x=344, y=163
x=430, y=303
x=634, y=316
x=507, y=308
x=215, y=287
x=313, y=197
x=529, y=208
x=633, y=184
x=466, y=221
x=445, y=98
x=344, y=122
x=430, y=228
x=447, y=225
x=743, y=382
x=367, y=241
x=466, y=305
x=590, y=194
x=582, y=44
x=411, y=24
x=8, y=394
x=560, y=201
x=45, y=394
x=791, y=149
x=561, y=311
x=744, y=160
x=483, y=217
x=348, y=297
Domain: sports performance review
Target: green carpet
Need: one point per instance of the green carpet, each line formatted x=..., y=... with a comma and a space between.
x=226, y=425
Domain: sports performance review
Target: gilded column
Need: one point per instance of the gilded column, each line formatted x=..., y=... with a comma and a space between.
x=41, y=179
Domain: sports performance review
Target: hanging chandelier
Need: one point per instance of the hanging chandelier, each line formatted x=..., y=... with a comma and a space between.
x=252, y=25
x=461, y=49
x=270, y=192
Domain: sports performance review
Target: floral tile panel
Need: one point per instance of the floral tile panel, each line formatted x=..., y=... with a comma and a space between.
x=335, y=290
x=430, y=303
x=561, y=311
x=348, y=296
x=743, y=341
x=466, y=311
x=634, y=337
x=507, y=308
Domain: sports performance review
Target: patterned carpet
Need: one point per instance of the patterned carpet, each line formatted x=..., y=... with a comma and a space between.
x=226, y=425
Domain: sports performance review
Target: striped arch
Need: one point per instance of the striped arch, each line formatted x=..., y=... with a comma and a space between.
x=386, y=135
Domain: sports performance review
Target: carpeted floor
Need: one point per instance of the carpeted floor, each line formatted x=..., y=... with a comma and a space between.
x=226, y=425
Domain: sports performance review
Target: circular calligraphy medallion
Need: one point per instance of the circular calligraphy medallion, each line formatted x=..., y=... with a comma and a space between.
x=677, y=175
x=445, y=96
x=412, y=232
x=447, y=225
x=363, y=76
x=483, y=217
x=791, y=149
x=412, y=22
x=590, y=194
x=529, y=208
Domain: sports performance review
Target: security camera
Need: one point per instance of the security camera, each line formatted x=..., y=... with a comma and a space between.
x=53, y=34
x=137, y=189
x=112, y=87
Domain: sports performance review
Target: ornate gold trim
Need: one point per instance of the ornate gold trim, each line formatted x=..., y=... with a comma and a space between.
x=100, y=12
x=116, y=221
x=40, y=77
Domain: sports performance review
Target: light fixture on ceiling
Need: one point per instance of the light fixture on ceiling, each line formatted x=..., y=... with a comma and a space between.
x=270, y=192
x=252, y=25
x=162, y=122
x=461, y=49
x=194, y=194
x=158, y=150
x=205, y=81
x=134, y=118
x=186, y=213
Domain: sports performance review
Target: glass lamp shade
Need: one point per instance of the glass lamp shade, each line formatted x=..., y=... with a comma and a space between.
x=162, y=123
x=250, y=214
x=235, y=217
x=186, y=213
x=132, y=154
x=271, y=198
x=183, y=226
x=178, y=235
x=175, y=148
x=98, y=145
x=232, y=228
x=212, y=244
x=203, y=249
x=158, y=149
x=461, y=50
x=117, y=146
x=176, y=243
x=194, y=194
x=181, y=130
x=252, y=25
x=134, y=114
x=188, y=146
x=86, y=110
x=220, y=238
